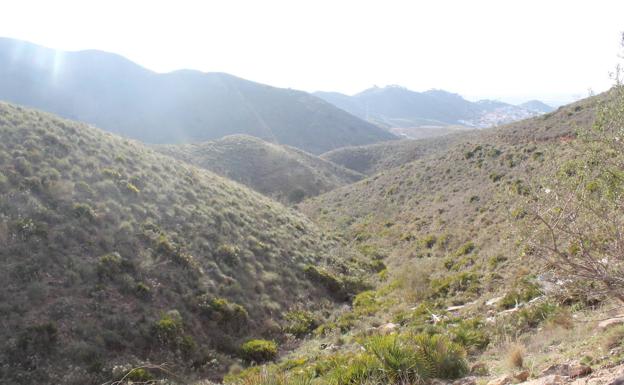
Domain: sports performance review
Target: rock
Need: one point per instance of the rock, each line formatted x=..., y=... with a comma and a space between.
x=617, y=381
x=557, y=369
x=610, y=322
x=387, y=328
x=552, y=379
x=466, y=381
x=493, y=301
x=479, y=369
x=579, y=371
x=503, y=380
x=572, y=371
x=512, y=310
x=521, y=376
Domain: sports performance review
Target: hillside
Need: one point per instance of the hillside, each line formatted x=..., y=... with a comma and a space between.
x=374, y=158
x=115, y=255
x=178, y=107
x=399, y=108
x=280, y=172
x=462, y=293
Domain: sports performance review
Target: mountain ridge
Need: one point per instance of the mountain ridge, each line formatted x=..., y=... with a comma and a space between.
x=114, y=93
x=398, y=107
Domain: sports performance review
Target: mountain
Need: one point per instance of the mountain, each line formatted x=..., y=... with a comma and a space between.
x=177, y=107
x=536, y=105
x=114, y=255
x=371, y=159
x=398, y=108
x=281, y=172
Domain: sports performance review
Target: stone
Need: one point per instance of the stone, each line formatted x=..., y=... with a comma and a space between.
x=552, y=379
x=479, y=369
x=610, y=322
x=579, y=371
x=387, y=328
x=502, y=380
x=493, y=301
x=522, y=375
x=466, y=381
x=557, y=369
x=617, y=381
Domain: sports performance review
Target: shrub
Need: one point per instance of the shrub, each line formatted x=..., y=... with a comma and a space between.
x=259, y=350
x=109, y=266
x=228, y=253
x=300, y=322
x=223, y=311
x=168, y=329
x=524, y=291
x=82, y=210
x=471, y=334
x=416, y=358
x=428, y=242
x=38, y=339
x=464, y=249
x=453, y=283
x=515, y=356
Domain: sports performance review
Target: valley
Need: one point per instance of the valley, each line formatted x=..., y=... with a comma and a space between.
x=197, y=228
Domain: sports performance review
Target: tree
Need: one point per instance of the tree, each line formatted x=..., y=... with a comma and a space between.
x=577, y=215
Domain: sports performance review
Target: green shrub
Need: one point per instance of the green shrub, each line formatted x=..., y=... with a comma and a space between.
x=428, y=242
x=83, y=210
x=168, y=329
x=471, y=334
x=464, y=249
x=139, y=375
x=259, y=350
x=366, y=302
x=417, y=358
x=454, y=283
x=524, y=291
x=300, y=322
x=109, y=266
x=223, y=311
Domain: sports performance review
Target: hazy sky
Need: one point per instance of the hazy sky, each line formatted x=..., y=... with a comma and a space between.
x=505, y=49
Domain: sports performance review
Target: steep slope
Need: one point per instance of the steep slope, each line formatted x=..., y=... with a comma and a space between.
x=178, y=107
x=460, y=282
x=281, y=172
x=399, y=108
x=377, y=157
x=113, y=254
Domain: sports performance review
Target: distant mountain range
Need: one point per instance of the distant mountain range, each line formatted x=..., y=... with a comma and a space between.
x=397, y=107
x=177, y=107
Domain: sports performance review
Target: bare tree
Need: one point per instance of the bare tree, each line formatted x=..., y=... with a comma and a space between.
x=577, y=215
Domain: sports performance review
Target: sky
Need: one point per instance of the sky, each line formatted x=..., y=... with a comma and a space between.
x=508, y=50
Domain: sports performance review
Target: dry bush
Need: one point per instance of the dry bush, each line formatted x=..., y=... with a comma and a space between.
x=515, y=356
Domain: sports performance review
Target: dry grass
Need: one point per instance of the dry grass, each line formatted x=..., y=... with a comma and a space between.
x=515, y=356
